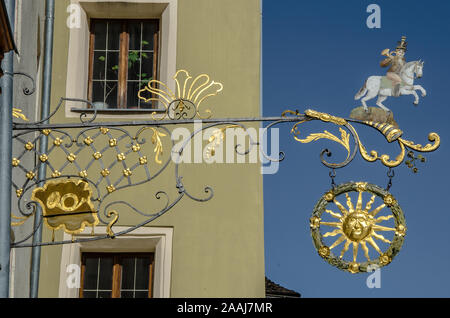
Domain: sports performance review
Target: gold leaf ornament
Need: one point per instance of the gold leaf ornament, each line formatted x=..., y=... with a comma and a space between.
x=156, y=140
x=344, y=140
x=17, y=113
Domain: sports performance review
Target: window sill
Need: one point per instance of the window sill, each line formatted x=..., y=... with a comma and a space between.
x=117, y=111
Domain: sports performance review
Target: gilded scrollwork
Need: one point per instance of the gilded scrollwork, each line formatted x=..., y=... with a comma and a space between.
x=344, y=140
x=391, y=134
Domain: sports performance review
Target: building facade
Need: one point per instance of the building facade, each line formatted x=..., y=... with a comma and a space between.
x=107, y=52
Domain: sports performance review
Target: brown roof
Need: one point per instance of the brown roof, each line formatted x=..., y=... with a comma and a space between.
x=274, y=290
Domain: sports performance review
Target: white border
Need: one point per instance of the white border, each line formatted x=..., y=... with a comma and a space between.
x=78, y=55
x=144, y=239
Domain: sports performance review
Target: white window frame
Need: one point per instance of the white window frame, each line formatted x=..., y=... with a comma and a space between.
x=78, y=55
x=157, y=240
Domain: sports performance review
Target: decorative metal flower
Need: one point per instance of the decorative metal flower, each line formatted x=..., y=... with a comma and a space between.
x=189, y=95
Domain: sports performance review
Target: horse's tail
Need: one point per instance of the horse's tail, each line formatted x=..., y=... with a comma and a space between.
x=361, y=92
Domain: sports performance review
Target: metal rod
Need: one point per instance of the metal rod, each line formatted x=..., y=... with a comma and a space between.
x=154, y=122
x=6, y=126
x=43, y=142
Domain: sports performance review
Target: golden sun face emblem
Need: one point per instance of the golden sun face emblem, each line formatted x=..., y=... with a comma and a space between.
x=358, y=226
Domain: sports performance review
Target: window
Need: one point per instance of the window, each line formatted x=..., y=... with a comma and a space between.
x=110, y=275
x=123, y=58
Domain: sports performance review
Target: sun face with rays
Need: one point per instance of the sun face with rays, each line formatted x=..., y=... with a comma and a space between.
x=358, y=226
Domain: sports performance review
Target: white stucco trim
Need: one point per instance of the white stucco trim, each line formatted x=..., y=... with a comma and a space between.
x=78, y=56
x=145, y=239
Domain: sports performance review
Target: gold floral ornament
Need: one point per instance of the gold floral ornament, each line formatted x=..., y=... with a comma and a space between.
x=15, y=162
x=194, y=90
x=56, y=174
x=105, y=172
x=66, y=204
x=136, y=147
x=143, y=160
x=29, y=146
x=88, y=141
x=19, y=192
x=43, y=158
x=57, y=142
x=97, y=155
x=324, y=251
x=314, y=222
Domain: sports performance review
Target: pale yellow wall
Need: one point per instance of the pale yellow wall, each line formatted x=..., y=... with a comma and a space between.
x=218, y=246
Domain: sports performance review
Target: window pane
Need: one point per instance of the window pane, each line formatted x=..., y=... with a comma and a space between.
x=149, y=29
x=150, y=104
x=142, y=272
x=98, y=91
x=141, y=294
x=147, y=66
x=106, y=273
x=132, y=91
x=89, y=294
x=134, y=65
x=100, y=35
x=112, y=71
x=99, y=65
x=126, y=294
x=134, y=30
x=91, y=273
x=111, y=94
x=128, y=264
x=114, y=30
x=104, y=294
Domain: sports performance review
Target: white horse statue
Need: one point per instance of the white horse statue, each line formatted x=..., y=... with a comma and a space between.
x=381, y=86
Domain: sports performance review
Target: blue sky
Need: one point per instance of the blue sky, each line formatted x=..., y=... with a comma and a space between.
x=317, y=54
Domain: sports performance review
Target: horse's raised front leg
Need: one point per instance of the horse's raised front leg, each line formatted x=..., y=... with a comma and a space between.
x=422, y=90
x=411, y=91
x=381, y=99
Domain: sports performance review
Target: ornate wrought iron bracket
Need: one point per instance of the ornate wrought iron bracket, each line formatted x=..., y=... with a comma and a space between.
x=89, y=161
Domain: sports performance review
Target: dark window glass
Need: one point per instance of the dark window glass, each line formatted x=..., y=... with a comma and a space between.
x=127, y=273
x=105, y=273
x=118, y=71
x=142, y=272
x=116, y=275
x=114, y=30
x=91, y=273
x=100, y=35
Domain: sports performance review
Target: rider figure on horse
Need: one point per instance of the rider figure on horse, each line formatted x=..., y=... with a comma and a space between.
x=396, y=62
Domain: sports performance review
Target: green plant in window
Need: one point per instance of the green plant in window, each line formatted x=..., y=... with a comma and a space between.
x=133, y=58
